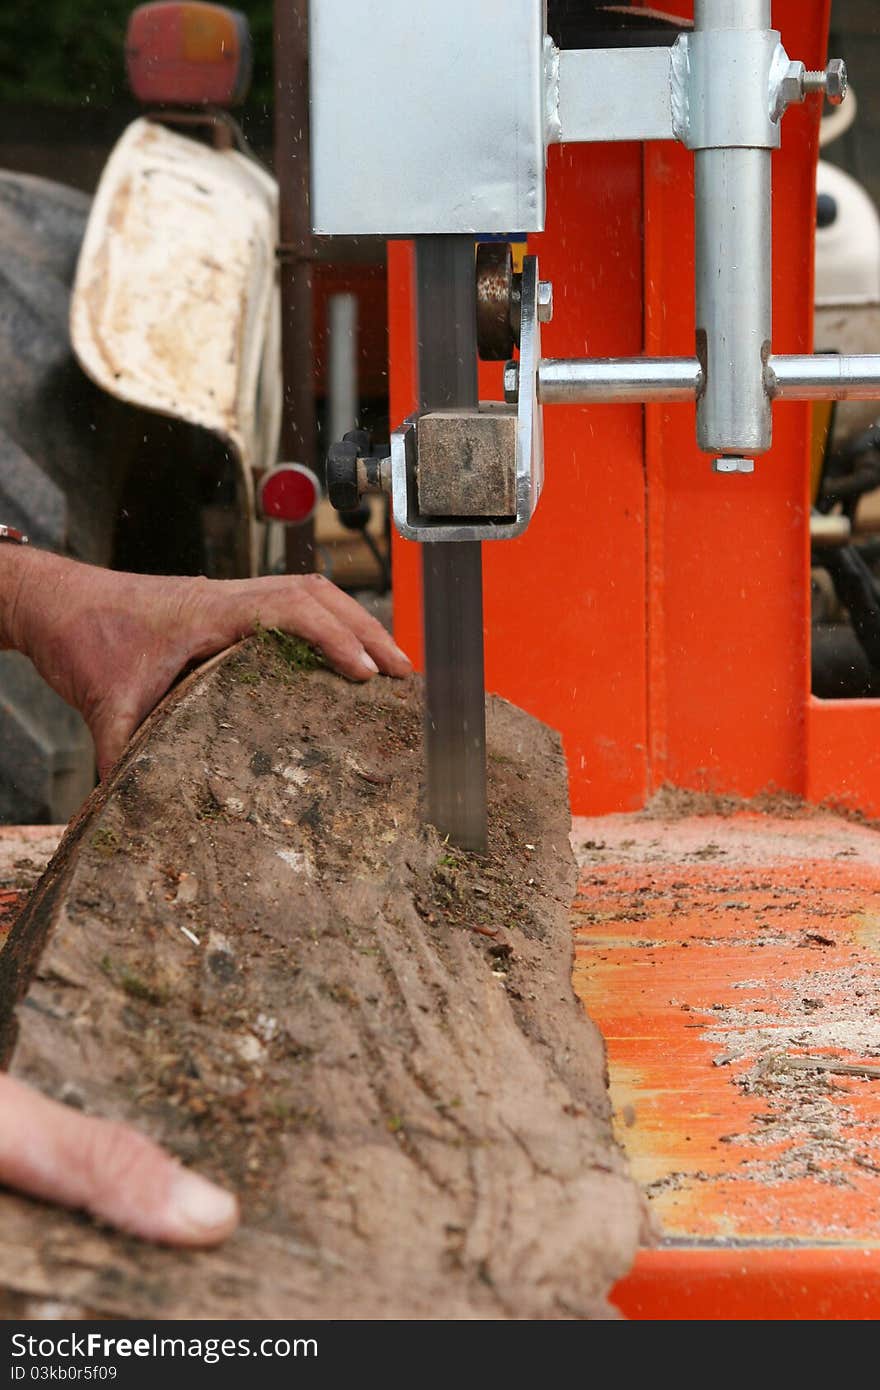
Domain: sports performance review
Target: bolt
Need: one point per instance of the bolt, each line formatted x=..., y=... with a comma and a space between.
x=833, y=82
x=545, y=301
x=730, y=464
x=511, y=383
x=837, y=84
x=790, y=90
x=798, y=83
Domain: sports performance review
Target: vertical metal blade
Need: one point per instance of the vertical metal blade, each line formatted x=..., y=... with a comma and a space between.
x=452, y=574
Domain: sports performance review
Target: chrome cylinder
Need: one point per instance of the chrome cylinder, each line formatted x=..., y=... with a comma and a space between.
x=734, y=299
x=825, y=377
x=733, y=239
x=342, y=366
x=573, y=381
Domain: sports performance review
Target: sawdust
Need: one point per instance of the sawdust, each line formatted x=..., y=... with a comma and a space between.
x=670, y=803
x=798, y=1043
x=822, y=1016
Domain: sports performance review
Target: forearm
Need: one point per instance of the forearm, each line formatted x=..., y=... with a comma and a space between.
x=24, y=572
x=111, y=644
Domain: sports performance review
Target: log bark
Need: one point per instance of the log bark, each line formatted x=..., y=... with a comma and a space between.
x=250, y=946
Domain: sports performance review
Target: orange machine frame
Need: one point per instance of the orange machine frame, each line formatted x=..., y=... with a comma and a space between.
x=655, y=613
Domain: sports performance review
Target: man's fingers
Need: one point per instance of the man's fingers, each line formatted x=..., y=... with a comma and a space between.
x=50, y=1151
x=310, y=619
x=376, y=640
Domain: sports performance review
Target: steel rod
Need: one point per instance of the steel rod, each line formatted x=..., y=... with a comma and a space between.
x=620, y=380
x=452, y=575
x=825, y=377
x=569, y=381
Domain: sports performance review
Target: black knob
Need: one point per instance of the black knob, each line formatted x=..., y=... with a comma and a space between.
x=358, y=519
x=342, y=481
x=826, y=210
x=361, y=439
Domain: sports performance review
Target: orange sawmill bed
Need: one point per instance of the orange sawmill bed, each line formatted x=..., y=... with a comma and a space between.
x=733, y=965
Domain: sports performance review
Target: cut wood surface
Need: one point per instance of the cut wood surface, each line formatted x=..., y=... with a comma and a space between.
x=249, y=946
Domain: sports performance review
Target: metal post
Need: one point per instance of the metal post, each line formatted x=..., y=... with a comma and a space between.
x=455, y=699
x=734, y=282
x=731, y=14
x=298, y=435
x=342, y=364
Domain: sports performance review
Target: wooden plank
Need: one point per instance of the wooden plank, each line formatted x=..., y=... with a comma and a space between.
x=250, y=946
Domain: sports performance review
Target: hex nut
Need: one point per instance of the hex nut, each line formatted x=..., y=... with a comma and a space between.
x=837, y=81
x=511, y=383
x=545, y=301
x=342, y=475
x=790, y=89
x=732, y=464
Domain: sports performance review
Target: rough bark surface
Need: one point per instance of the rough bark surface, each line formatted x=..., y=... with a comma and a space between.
x=249, y=946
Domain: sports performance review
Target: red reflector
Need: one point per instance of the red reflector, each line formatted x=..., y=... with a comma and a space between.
x=289, y=493
x=188, y=54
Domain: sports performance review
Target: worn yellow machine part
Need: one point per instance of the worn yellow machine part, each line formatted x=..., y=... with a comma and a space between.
x=175, y=306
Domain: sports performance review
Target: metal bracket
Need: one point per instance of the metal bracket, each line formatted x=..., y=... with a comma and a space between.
x=683, y=92
x=409, y=521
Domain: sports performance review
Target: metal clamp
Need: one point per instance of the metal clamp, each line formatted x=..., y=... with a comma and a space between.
x=527, y=438
x=723, y=88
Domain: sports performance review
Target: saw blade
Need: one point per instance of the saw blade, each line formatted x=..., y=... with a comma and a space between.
x=452, y=573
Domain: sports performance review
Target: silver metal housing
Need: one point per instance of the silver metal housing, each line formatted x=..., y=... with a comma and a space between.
x=427, y=120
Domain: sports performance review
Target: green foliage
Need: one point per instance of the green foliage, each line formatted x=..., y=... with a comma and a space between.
x=70, y=52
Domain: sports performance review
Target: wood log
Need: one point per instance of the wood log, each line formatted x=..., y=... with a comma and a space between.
x=250, y=946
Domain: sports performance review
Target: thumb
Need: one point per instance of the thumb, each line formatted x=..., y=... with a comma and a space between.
x=117, y=1175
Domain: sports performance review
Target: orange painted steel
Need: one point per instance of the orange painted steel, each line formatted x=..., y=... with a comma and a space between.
x=728, y=625
x=565, y=605
x=733, y=965
x=752, y=1285
x=843, y=754
x=656, y=614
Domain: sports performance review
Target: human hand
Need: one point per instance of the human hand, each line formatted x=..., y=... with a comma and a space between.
x=112, y=644
x=50, y=1151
